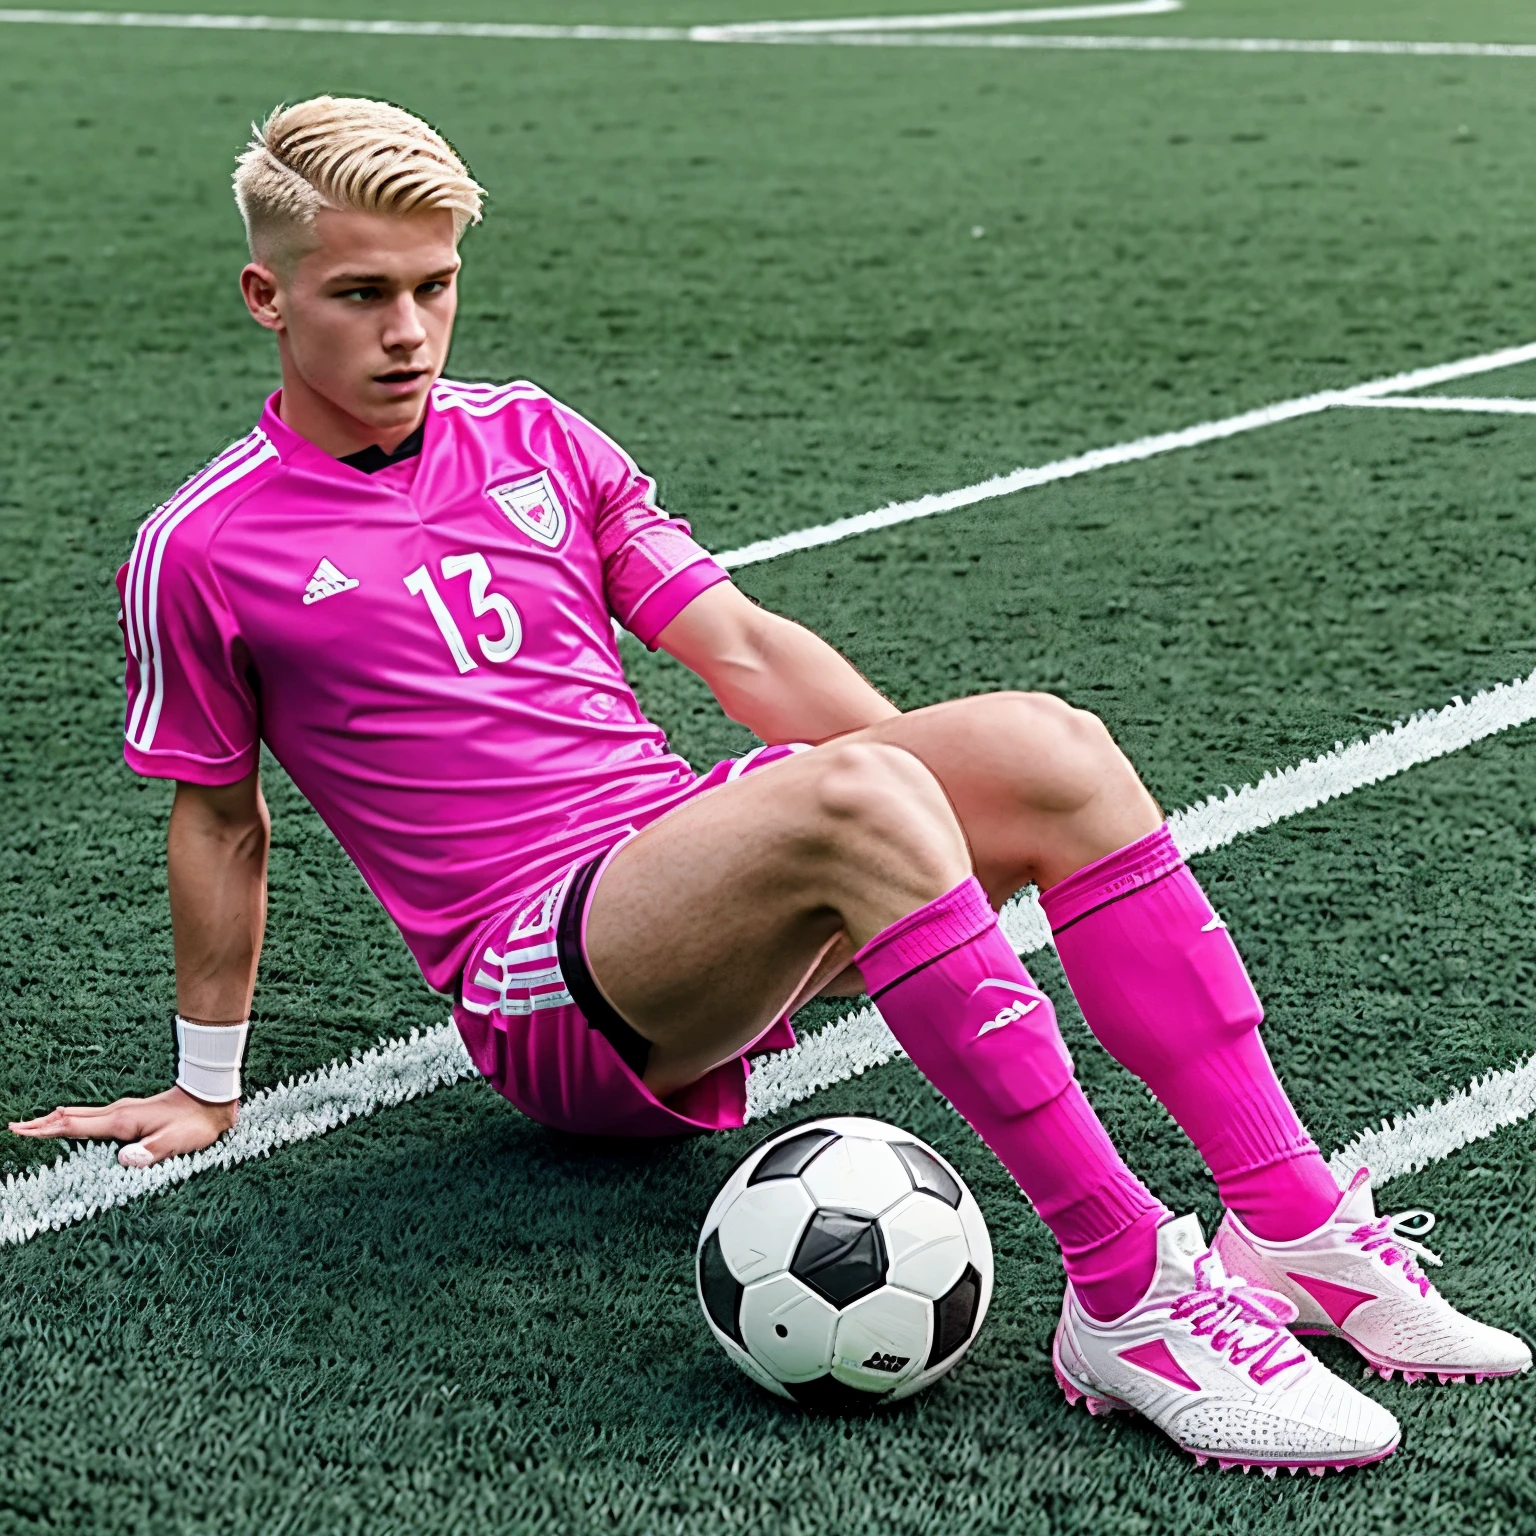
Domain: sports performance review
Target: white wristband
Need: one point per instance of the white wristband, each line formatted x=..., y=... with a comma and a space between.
x=208, y=1058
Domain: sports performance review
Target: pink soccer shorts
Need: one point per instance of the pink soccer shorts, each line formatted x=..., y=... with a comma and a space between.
x=536, y=1026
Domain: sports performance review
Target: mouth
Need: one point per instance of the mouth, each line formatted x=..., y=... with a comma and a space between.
x=400, y=381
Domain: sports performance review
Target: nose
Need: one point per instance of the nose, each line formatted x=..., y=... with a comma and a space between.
x=403, y=329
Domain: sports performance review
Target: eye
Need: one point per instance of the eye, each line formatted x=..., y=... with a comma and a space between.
x=437, y=285
x=358, y=295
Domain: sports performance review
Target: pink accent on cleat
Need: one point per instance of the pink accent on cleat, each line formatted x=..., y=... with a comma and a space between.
x=1155, y=1356
x=1201, y=1344
x=1317, y=1471
x=1338, y=1301
x=1356, y=1276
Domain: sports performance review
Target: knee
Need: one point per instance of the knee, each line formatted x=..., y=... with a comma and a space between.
x=870, y=796
x=1053, y=756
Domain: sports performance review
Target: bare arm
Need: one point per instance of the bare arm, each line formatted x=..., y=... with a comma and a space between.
x=770, y=674
x=216, y=855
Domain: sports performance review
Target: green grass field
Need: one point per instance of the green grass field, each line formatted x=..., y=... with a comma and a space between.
x=758, y=268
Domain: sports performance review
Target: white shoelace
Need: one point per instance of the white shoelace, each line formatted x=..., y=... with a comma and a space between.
x=1395, y=1240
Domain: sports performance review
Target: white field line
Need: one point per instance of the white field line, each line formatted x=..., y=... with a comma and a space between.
x=90, y=1180
x=729, y=31
x=1427, y=1134
x=205, y=21
x=1133, y=452
x=1066, y=43
x=1500, y=405
x=850, y=1046
x=747, y=33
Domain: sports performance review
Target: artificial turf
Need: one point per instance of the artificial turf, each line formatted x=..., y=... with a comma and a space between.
x=757, y=268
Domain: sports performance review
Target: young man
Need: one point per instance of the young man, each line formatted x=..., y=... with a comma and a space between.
x=406, y=588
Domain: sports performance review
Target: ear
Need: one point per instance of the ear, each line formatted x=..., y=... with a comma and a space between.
x=260, y=289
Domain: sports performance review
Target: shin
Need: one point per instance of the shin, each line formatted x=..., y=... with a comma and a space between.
x=1162, y=986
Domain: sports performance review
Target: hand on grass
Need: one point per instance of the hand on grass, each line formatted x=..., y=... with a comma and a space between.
x=167, y=1125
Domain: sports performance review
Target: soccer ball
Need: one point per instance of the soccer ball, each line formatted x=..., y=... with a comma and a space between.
x=844, y=1262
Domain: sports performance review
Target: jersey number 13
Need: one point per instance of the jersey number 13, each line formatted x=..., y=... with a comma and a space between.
x=482, y=600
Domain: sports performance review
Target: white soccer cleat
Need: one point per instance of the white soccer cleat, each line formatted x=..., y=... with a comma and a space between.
x=1356, y=1278
x=1208, y=1360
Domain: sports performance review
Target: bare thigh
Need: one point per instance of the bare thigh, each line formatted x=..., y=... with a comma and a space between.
x=713, y=920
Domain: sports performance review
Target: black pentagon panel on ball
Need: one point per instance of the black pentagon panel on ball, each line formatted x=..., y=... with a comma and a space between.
x=929, y=1176
x=826, y=1394
x=841, y=1256
x=954, y=1316
x=720, y=1289
x=789, y=1158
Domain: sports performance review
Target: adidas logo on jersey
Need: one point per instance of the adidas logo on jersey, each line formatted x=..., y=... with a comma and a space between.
x=327, y=582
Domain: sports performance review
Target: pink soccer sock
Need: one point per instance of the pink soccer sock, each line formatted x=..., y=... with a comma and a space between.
x=966, y=1011
x=1161, y=984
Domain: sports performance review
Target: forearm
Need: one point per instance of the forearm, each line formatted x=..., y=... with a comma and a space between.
x=217, y=862
x=770, y=674
x=790, y=685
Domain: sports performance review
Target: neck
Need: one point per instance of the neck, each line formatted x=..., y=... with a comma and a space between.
x=332, y=429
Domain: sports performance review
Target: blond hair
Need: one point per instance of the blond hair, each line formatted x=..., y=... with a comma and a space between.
x=344, y=152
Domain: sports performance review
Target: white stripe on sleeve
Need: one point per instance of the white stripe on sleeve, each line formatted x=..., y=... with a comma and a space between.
x=146, y=712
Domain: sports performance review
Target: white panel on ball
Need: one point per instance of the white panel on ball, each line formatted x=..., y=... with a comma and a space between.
x=854, y=1174
x=759, y=1232
x=788, y=1328
x=926, y=1245
x=882, y=1340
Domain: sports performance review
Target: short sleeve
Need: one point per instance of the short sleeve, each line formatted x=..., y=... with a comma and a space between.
x=652, y=565
x=192, y=708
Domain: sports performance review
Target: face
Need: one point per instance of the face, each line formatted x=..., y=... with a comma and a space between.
x=363, y=319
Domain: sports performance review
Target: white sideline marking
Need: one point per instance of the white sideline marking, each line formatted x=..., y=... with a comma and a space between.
x=1505, y=405
x=1221, y=819
x=206, y=21
x=1425, y=1135
x=860, y=32
x=203, y=21
x=1066, y=43
x=850, y=1046
x=90, y=1180
x=1133, y=452
x=729, y=31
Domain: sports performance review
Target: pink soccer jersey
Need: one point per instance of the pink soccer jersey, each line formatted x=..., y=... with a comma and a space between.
x=427, y=650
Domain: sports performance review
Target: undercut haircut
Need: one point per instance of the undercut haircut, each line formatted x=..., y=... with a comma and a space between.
x=344, y=152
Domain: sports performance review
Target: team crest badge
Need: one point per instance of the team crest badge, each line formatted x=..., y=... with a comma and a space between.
x=533, y=505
